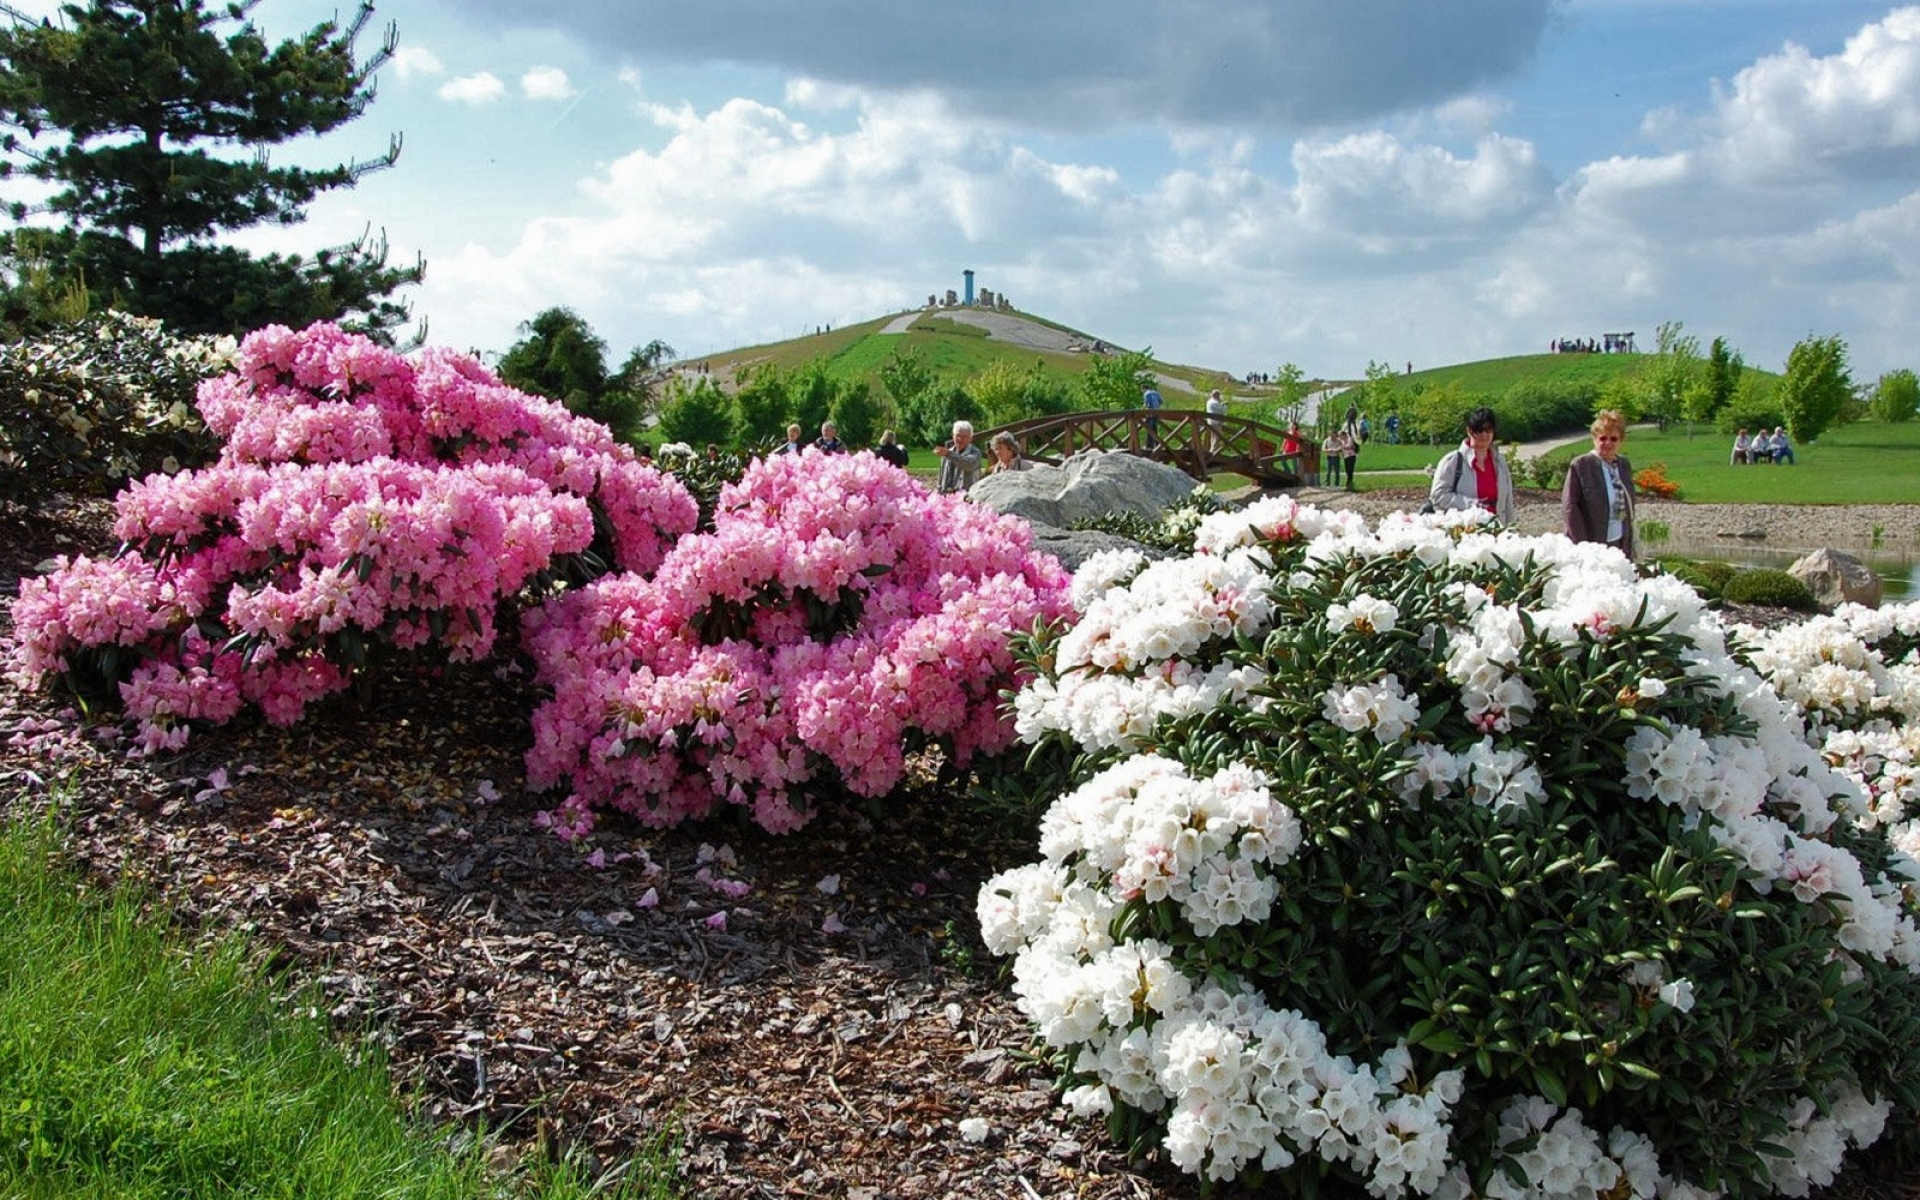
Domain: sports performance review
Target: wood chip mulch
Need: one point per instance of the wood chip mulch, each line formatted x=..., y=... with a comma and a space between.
x=810, y=1016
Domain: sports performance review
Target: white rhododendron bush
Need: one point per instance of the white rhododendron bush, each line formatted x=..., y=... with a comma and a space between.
x=1457, y=863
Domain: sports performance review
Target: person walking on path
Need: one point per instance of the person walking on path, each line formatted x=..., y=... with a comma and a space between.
x=1216, y=408
x=1597, y=501
x=1475, y=475
x=959, y=460
x=1151, y=401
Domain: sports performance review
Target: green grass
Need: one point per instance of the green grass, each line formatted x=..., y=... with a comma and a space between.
x=1496, y=375
x=137, y=1063
x=1868, y=462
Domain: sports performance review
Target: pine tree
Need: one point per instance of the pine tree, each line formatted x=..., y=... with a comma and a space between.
x=152, y=122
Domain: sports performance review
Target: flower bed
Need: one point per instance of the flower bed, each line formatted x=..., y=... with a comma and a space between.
x=363, y=503
x=1459, y=863
x=837, y=617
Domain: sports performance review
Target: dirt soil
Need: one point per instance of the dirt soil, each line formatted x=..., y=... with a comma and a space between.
x=812, y=1015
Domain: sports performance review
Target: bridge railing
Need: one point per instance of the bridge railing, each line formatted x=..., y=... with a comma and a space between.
x=1198, y=443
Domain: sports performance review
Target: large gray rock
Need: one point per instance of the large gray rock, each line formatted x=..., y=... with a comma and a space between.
x=1075, y=546
x=1090, y=484
x=1835, y=578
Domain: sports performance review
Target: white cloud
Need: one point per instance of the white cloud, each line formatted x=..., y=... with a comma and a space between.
x=409, y=61
x=1853, y=114
x=547, y=83
x=481, y=88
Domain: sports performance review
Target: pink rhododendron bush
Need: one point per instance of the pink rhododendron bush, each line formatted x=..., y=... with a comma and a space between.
x=837, y=617
x=363, y=502
x=1456, y=863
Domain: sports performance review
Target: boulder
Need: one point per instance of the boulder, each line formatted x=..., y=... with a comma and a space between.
x=1090, y=484
x=1075, y=546
x=1835, y=578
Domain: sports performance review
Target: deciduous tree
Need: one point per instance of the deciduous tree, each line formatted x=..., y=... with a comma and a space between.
x=1896, y=396
x=1816, y=387
x=151, y=123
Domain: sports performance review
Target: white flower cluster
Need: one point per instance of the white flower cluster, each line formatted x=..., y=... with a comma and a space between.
x=1241, y=1083
x=1862, y=711
x=1237, y=1082
x=1127, y=663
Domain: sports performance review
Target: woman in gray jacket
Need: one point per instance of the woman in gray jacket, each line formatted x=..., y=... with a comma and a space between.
x=1474, y=476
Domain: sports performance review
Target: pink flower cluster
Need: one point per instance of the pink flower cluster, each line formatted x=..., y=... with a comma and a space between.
x=362, y=500
x=837, y=614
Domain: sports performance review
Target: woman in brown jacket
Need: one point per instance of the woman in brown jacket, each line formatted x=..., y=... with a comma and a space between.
x=1597, y=502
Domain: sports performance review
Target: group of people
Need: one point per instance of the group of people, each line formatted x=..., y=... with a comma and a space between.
x=1762, y=447
x=1596, y=503
x=962, y=463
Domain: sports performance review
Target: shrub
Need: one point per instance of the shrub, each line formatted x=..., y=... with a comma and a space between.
x=837, y=618
x=363, y=503
x=1172, y=530
x=1766, y=587
x=89, y=406
x=1450, y=863
x=1707, y=577
x=1653, y=481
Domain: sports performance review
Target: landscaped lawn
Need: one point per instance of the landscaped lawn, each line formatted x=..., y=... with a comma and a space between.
x=1869, y=462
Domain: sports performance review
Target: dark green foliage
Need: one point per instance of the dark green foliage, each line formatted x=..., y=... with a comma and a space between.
x=905, y=376
x=857, y=413
x=698, y=414
x=704, y=477
x=1766, y=587
x=558, y=356
x=928, y=418
x=1724, y=367
x=1755, y=405
x=1706, y=576
x=89, y=407
x=760, y=407
x=119, y=109
x=1171, y=531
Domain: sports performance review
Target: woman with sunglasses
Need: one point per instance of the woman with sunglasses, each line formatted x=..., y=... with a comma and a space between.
x=1474, y=475
x=1597, y=503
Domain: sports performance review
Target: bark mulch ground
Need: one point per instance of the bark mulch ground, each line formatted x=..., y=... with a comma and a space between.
x=809, y=1015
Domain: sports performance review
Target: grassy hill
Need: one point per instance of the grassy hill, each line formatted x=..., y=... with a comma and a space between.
x=1495, y=375
x=958, y=351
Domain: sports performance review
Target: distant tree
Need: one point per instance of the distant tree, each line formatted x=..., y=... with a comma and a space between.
x=1000, y=390
x=1723, y=370
x=1816, y=387
x=696, y=413
x=640, y=376
x=559, y=356
x=1673, y=379
x=905, y=375
x=857, y=411
x=1115, y=381
x=1291, y=383
x=1045, y=395
x=929, y=417
x=1436, y=414
x=1896, y=396
x=760, y=402
x=1755, y=404
x=150, y=122
x=810, y=395
x=1381, y=393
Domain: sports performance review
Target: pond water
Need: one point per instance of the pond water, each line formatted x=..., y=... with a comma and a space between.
x=1898, y=571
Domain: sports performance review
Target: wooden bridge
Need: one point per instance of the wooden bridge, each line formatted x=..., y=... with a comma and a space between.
x=1201, y=445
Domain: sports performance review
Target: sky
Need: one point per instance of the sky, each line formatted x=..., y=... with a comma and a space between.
x=1233, y=184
